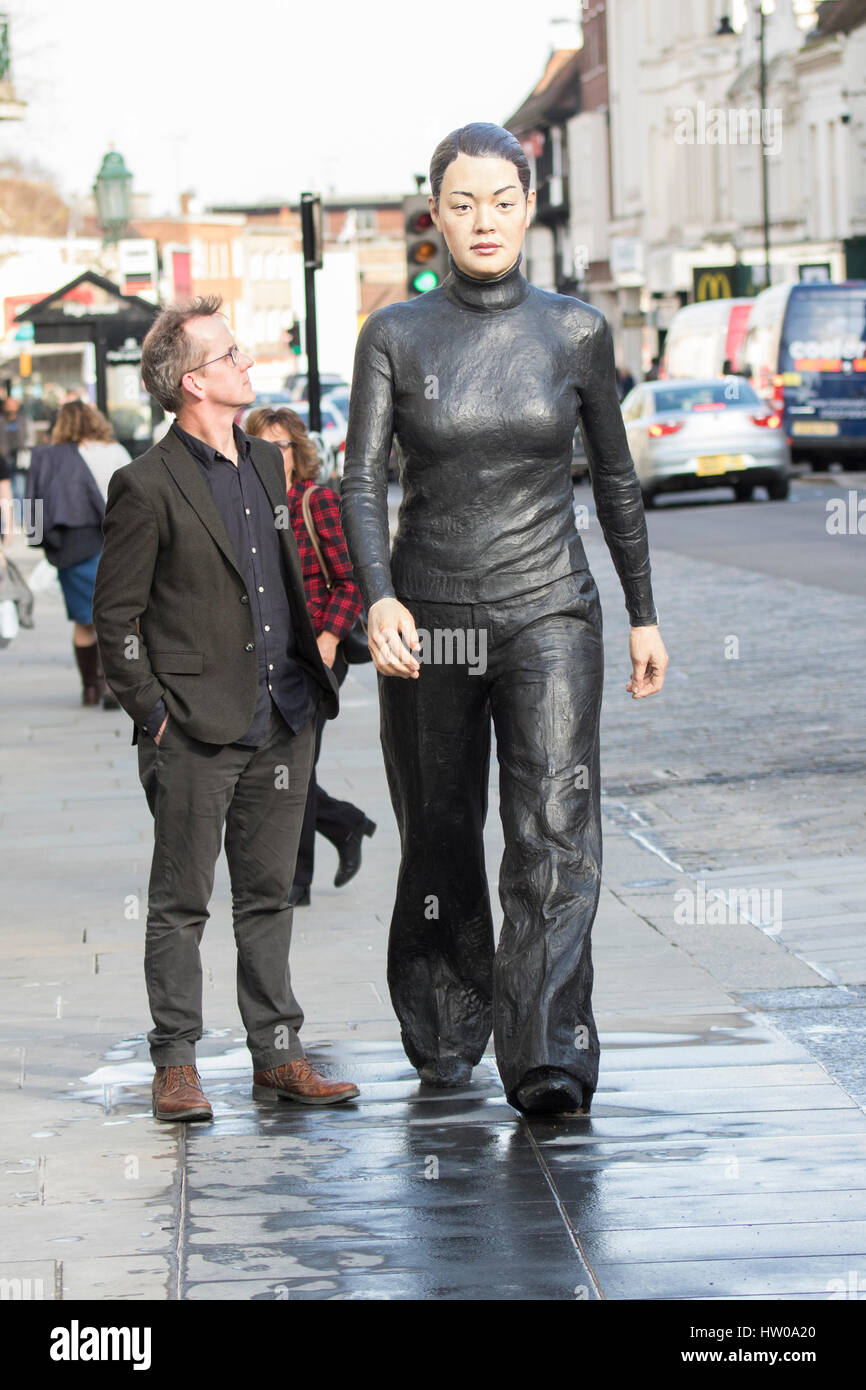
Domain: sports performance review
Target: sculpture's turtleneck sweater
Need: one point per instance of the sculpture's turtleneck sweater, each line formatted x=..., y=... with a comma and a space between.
x=480, y=384
x=503, y=291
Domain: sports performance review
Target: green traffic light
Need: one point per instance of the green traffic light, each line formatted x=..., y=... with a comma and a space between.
x=425, y=280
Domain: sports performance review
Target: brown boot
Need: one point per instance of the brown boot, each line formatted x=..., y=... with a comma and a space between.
x=109, y=701
x=299, y=1082
x=88, y=665
x=177, y=1095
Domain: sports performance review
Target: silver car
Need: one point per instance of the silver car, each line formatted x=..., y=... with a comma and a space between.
x=708, y=433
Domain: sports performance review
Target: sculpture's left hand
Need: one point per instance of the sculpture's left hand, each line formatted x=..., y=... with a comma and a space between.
x=649, y=662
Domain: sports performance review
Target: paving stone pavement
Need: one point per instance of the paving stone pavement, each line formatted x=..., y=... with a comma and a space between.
x=724, y=1154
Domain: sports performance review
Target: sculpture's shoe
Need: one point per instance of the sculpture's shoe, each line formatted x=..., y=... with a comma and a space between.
x=549, y=1091
x=449, y=1070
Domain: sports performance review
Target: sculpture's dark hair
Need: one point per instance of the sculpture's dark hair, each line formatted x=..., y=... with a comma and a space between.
x=480, y=138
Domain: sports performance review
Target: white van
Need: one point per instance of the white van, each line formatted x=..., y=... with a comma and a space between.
x=704, y=337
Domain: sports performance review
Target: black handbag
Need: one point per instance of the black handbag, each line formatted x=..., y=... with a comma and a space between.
x=354, y=646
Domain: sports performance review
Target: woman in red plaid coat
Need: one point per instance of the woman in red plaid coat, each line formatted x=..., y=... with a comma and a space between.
x=333, y=613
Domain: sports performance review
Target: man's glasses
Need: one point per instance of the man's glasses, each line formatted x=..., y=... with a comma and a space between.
x=234, y=353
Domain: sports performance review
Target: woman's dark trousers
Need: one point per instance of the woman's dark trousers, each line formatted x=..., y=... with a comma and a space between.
x=540, y=679
x=323, y=813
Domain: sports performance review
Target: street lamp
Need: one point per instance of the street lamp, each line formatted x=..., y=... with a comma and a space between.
x=725, y=30
x=113, y=193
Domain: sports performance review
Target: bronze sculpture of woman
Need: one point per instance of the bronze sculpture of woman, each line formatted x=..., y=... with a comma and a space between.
x=480, y=384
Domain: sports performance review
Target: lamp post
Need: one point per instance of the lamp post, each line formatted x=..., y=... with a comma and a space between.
x=113, y=193
x=11, y=109
x=725, y=30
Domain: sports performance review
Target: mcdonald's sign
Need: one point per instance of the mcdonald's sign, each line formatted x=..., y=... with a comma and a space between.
x=714, y=282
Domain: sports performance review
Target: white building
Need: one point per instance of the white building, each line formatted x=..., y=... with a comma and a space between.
x=686, y=127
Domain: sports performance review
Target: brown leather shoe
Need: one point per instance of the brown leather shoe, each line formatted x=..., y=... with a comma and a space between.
x=298, y=1081
x=177, y=1095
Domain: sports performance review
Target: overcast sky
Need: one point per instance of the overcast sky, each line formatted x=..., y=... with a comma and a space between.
x=264, y=98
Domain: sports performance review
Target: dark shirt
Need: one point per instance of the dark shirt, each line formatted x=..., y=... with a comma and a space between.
x=248, y=517
x=480, y=383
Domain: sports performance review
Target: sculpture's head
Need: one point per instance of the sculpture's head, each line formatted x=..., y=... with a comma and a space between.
x=481, y=200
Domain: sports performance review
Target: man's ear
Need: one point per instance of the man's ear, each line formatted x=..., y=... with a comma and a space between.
x=191, y=387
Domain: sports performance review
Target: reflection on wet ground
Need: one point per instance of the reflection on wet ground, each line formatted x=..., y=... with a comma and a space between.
x=716, y=1164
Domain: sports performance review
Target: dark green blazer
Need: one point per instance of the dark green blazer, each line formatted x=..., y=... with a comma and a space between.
x=172, y=614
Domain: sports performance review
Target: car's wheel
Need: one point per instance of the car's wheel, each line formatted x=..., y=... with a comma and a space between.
x=854, y=465
x=778, y=489
x=743, y=491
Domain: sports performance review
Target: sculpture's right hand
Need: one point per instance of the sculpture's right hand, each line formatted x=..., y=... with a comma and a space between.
x=159, y=735
x=387, y=622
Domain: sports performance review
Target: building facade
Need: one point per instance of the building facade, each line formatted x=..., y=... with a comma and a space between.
x=656, y=121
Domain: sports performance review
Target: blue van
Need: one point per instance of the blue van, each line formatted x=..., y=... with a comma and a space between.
x=805, y=352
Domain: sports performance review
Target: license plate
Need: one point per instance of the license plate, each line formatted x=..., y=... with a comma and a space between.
x=719, y=463
x=815, y=427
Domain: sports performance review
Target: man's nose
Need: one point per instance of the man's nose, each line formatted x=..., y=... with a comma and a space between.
x=484, y=218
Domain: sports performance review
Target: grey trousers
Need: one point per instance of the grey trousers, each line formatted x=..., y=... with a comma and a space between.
x=194, y=791
x=542, y=687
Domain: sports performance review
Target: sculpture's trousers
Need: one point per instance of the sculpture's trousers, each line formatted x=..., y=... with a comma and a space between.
x=534, y=664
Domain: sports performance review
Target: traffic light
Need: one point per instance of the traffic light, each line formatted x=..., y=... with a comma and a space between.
x=426, y=252
x=293, y=336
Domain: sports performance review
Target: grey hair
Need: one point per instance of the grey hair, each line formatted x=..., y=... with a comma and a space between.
x=169, y=352
x=479, y=138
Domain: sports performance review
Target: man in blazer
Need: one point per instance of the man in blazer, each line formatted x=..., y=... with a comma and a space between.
x=206, y=642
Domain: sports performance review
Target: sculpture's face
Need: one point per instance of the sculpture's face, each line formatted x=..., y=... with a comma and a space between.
x=483, y=214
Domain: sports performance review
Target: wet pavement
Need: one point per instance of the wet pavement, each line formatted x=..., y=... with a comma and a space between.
x=724, y=1155
x=718, y=1162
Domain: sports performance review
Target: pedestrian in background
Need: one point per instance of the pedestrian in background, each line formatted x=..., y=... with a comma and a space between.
x=13, y=442
x=67, y=483
x=333, y=612
x=5, y=498
x=624, y=382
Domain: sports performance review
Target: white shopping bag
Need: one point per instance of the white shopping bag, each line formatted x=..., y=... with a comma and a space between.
x=8, y=619
x=44, y=579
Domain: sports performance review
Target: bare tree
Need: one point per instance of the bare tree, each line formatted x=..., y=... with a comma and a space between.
x=30, y=204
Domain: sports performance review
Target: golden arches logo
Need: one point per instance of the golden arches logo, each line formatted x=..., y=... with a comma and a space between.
x=714, y=284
